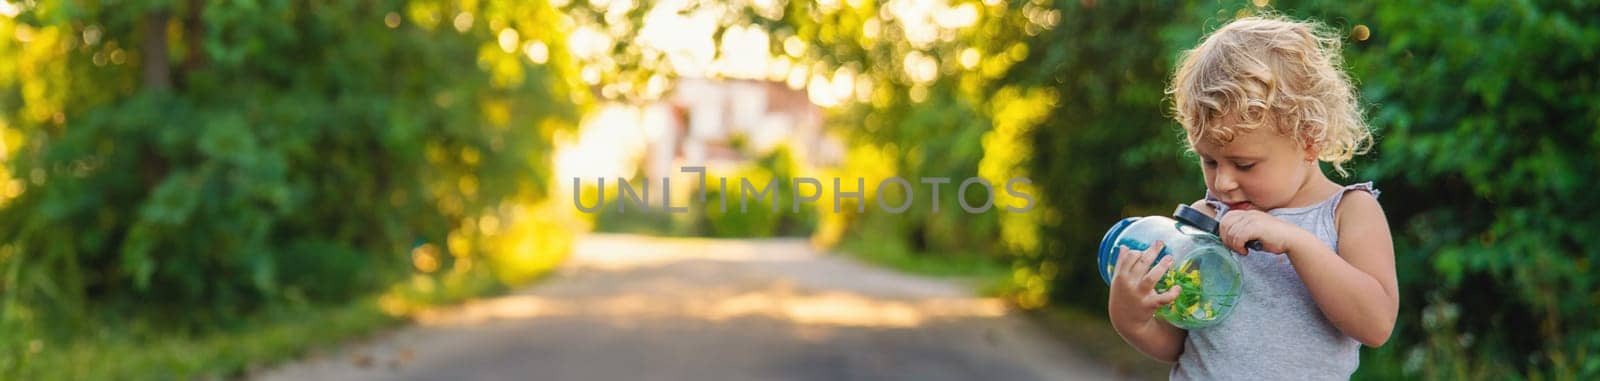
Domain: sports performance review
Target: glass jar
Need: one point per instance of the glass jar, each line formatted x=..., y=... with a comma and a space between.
x=1209, y=273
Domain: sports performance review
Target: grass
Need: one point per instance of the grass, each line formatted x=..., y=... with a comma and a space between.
x=989, y=274
x=101, y=347
x=644, y=223
x=133, y=350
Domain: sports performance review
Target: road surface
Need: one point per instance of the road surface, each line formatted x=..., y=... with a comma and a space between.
x=643, y=308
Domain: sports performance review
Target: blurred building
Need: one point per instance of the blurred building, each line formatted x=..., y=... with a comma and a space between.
x=720, y=123
x=717, y=123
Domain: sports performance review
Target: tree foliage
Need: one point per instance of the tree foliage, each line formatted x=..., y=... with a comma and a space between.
x=199, y=159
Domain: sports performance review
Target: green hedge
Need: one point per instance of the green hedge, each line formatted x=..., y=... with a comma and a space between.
x=200, y=160
x=708, y=219
x=758, y=218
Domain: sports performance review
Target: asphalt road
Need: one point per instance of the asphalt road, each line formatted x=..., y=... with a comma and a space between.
x=642, y=308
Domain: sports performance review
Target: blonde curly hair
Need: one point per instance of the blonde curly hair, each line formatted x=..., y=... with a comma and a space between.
x=1271, y=71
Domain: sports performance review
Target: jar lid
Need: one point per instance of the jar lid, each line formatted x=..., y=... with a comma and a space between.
x=1192, y=217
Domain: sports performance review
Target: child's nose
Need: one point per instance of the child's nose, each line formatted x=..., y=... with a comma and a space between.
x=1224, y=181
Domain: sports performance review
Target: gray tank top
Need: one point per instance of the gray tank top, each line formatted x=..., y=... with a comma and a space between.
x=1276, y=332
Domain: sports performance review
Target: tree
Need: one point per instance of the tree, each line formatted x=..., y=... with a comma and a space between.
x=195, y=159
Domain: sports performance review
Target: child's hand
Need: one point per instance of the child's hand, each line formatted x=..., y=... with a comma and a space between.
x=1133, y=286
x=1238, y=228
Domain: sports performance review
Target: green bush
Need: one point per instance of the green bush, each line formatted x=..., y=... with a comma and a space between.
x=758, y=218
x=770, y=214
x=1488, y=115
x=1109, y=149
x=200, y=160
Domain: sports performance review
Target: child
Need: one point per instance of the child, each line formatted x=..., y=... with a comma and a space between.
x=1263, y=101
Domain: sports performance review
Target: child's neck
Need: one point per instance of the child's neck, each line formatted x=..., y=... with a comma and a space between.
x=1316, y=188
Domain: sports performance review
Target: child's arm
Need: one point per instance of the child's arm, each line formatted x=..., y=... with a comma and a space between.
x=1355, y=287
x=1133, y=303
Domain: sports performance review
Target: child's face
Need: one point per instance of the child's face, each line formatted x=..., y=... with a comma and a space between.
x=1260, y=169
